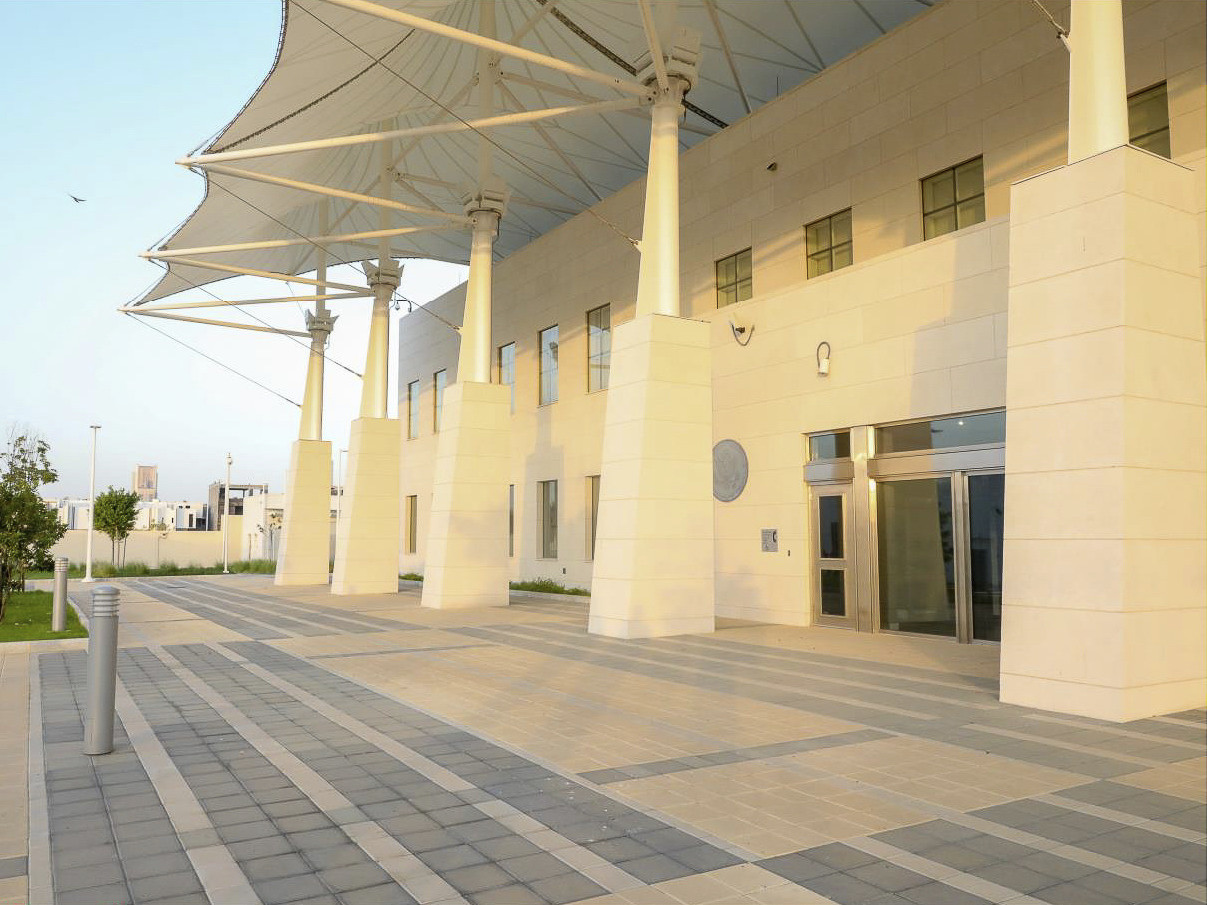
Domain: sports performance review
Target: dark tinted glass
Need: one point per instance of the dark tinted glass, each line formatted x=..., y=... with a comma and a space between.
x=942, y=433
x=829, y=527
x=836, y=445
x=833, y=592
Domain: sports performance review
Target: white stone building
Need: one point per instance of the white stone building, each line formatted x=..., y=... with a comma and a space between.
x=910, y=339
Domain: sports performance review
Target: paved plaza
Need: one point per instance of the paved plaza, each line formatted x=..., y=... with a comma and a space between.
x=284, y=746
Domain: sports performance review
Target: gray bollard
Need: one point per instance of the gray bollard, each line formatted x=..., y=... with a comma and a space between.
x=102, y=670
x=58, y=614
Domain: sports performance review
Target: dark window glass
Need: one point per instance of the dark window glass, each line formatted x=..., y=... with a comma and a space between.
x=829, y=527
x=953, y=199
x=439, y=381
x=734, y=282
x=942, y=433
x=548, y=501
x=828, y=243
x=507, y=369
x=599, y=347
x=833, y=592
x=836, y=445
x=547, y=342
x=986, y=508
x=1148, y=119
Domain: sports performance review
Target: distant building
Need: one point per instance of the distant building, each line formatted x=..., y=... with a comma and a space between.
x=217, y=500
x=146, y=482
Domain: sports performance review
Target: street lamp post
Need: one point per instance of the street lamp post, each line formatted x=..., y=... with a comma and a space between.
x=91, y=506
x=226, y=516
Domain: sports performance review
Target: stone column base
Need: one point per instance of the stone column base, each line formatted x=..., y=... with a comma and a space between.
x=654, y=541
x=466, y=561
x=366, y=542
x=304, y=557
x=1104, y=609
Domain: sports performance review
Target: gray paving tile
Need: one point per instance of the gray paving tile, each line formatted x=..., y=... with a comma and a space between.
x=13, y=867
x=288, y=889
x=942, y=894
x=569, y=887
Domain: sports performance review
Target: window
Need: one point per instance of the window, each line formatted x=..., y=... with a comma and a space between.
x=828, y=243
x=548, y=518
x=733, y=279
x=439, y=379
x=943, y=433
x=834, y=445
x=511, y=519
x=547, y=342
x=507, y=369
x=412, y=524
x=1148, y=119
x=412, y=409
x=592, y=513
x=599, y=347
x=953, y=199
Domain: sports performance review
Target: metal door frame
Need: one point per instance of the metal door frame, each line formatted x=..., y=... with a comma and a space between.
x=843, y=490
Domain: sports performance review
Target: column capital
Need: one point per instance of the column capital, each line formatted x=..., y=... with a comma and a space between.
x=490, y=197
x=320, y=325
x=682, y=60
x=384, y=273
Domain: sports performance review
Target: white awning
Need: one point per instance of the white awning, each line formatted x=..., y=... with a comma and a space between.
x=345, y=72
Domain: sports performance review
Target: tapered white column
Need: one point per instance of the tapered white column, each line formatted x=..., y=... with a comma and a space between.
x=473, y=359
x=319, y=326
x=366, y=538
x=373, y=395
x=305, y=549
x=1097, y=78
x=466, y=562
x=658, y=277
x=654, y=542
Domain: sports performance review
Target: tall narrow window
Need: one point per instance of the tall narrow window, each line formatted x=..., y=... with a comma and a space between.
x=548, y=366
x=439, y=379
x=412, y=409
x=953, y=199
x=547, y=498
x=599, y=347
x=828, y=243
x=412, y=524
x=1148, y=119
x=511, y=519
x=592, y=513
x=734, y=282
x=507, y=369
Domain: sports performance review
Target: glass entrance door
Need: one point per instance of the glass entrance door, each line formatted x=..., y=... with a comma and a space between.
x=939, y=554
x=917, y=555
x=986, y=495
x=833, y=556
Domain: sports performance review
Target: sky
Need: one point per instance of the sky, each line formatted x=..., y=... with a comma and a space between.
x=101, y=97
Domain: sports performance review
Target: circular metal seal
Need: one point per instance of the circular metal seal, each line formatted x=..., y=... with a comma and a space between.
x=729, y=470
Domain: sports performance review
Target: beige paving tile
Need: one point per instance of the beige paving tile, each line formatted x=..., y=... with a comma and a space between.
x=1186, y=779
x=14, y=704
x=14, y=891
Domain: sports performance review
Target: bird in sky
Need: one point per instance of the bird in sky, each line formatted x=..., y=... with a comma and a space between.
x=75, y=199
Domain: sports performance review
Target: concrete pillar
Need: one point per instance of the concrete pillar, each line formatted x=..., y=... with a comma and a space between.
x=658, y=277
x=1097, y=78
x=1106, y=439
x=383, y=279
x=654, y=568
x=466, y=557
x=366, y=540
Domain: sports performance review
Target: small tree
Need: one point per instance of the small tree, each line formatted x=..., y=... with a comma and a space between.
x=28, y=529
x=116, y=511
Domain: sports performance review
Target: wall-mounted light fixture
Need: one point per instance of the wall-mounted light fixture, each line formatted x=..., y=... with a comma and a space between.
x=741, y=333
x=823, y=358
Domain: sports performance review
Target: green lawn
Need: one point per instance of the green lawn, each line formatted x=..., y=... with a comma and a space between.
x=27, y=618
x=142, y=570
